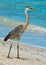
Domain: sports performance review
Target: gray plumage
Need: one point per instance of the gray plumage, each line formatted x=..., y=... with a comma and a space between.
x=15, y=31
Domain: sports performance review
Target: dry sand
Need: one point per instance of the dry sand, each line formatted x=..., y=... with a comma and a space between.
x=29, y=55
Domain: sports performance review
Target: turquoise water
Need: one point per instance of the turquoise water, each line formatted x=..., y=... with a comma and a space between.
x=14, y=9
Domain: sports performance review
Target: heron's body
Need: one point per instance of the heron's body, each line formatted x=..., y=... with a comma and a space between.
x=18, y=31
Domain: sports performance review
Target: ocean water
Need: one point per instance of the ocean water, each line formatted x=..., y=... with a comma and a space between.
x=14, y=10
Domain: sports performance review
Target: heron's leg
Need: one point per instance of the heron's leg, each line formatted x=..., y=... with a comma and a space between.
x=18, y=48
x=9, y=51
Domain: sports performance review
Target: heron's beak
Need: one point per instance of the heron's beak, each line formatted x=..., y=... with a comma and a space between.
x=31, y=9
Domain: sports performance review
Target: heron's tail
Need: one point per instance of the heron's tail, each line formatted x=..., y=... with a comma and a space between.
x=7, y=37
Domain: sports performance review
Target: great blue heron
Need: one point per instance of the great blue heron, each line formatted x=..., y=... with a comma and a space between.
x=18, y=31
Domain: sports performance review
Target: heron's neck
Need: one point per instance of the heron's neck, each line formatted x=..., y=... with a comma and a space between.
x=27, y=18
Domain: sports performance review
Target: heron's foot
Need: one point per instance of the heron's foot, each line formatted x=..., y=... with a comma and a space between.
x=8, y=57
x=18, y=57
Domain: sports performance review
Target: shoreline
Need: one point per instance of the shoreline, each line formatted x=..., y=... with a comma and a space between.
x=26, y=44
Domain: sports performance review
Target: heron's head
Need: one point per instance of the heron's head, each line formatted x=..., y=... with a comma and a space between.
x=28, y=8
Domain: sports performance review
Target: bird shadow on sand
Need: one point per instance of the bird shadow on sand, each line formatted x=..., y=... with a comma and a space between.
x=9, y=57
x=20, y=58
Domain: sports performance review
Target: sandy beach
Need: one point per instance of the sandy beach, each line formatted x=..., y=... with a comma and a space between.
x=29, y=55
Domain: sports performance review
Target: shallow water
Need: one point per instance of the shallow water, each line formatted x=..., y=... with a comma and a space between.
x=15, y=10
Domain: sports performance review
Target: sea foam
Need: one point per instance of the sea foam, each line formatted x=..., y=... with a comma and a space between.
x=12, y=23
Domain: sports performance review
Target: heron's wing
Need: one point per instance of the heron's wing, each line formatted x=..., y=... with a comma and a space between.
x=15, y=31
